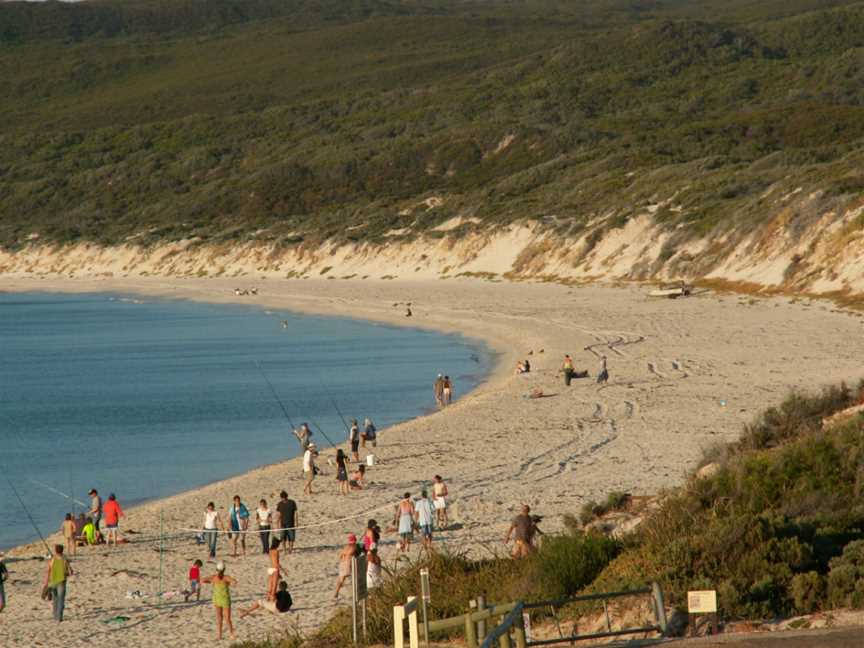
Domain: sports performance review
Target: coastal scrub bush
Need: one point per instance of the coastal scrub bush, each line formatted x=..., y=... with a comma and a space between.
x=777, y=529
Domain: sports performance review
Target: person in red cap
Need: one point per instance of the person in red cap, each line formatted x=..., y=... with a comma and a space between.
x=349, y=551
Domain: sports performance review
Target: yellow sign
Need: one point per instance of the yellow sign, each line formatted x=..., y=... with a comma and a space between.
x=702, y=602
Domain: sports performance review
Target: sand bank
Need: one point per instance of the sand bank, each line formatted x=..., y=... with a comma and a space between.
x=684, y=374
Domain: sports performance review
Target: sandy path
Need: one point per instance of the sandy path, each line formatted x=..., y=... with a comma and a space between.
x=671, y=363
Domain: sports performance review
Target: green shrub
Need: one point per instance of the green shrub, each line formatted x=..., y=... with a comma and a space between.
x=846, y=577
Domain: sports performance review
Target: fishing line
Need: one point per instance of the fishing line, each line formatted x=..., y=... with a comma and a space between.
x=275, y=395
x=333, y=402
x=57, y=492
x=27, y=511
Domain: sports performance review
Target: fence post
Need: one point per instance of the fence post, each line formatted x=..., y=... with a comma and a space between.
x=659, y=607
x=519, y=629
x=470, y=632
x=481, y=624
x=504, y=639
x=413, y=625
x=398, y=630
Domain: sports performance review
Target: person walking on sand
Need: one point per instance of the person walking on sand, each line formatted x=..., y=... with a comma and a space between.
x=525, y=531
x=438, y=388
x=222, y=599
x=404, y=521
x=59, y=570
x=238, y=520
x=68, y=529
x=194, y=581
x=275, y=571
x=113, y=513
x=348, y=553
x=95, y=508
x=265, y=521
x=370, y=433
x=4, y=574
x=309, y=468
x=425, y=518
x=287, y=509
x=603, y=376
x=567, y=369
x=354, y=440
x=304, y=436
x=341, y=472
x=447, y=392
x=439, y=501
x=212, y=525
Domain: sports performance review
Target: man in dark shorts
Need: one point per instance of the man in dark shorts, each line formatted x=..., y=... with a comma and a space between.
x=287, y=509
x=525, y=530
x=354, y=440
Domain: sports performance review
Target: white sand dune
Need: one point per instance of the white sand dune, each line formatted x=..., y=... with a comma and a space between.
x=671, y=364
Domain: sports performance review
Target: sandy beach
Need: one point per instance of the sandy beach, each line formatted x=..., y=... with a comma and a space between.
x=684, y=374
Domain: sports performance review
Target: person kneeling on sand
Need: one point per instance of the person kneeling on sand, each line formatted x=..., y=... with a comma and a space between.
x=282, y=602
x=358, y=478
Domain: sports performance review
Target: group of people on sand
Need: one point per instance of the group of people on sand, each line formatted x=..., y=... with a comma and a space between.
x=569, y=371
x=347, y=479
x=270, y=525
x=443, y=390
x=87, y=530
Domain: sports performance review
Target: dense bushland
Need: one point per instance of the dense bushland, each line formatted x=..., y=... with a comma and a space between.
x=288, y=122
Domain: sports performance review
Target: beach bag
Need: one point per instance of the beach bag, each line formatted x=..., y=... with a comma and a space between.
x=47, y=593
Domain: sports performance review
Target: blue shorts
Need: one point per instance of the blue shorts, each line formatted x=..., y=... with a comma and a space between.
x=426, y=530
x=288, y=535
x=193, y=586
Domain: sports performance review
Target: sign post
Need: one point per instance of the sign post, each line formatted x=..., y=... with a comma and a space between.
x=359, y=593
x=426, y=597
x=702, y=602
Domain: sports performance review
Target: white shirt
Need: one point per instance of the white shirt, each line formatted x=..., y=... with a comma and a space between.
x=308, y=461
x=263, y=516
x=210, y=519
x=424, y=512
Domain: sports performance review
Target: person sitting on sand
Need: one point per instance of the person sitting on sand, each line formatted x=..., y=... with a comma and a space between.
x=348, y=553
x=221, y=599
x=520, y=368
x=80, y=521
x=89, y=534
x=282, y=603
x=357, y=479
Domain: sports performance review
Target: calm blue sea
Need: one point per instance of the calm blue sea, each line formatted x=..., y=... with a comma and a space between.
x=146, y=398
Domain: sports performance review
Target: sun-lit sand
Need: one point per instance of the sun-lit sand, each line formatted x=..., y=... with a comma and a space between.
x=685, y=374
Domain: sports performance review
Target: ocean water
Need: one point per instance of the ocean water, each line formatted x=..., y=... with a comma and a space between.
x=146, y=398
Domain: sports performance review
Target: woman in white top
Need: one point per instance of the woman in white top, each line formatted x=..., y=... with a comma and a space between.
x=373, y=567
x=212, y=524
x=439, y=500
x=265, y=518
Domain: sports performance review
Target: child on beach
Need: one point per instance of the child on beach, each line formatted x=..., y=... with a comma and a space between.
x=194, y=581
x=348, y=553
x=221, y=599
x=68, y=528
x=90, y=534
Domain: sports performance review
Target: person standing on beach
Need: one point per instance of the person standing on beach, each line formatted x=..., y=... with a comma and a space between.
x=287, y=509
x=370, y=433
x=221, y=599
x=348, y=553
x=212, y=526
x=59, y=570
x=304, y=436
x=4, y=574
x=113, y=513
x=354, y=440
x=68, y=529
x=341, y=472
x=525, y=531
x=265, y=521
x=567, y=369
x=425, y=518
x=447, y=392
x=238, y=519
x=275, y=571
x=438, y=388
x=439, y=500
x=309, y=468
x=404, y=521
x=95, y=507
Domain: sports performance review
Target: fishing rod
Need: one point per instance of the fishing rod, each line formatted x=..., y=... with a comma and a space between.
x=276, y=396
x=333, y=402
x=27, y=511
x=57, y=492
x=323, y=433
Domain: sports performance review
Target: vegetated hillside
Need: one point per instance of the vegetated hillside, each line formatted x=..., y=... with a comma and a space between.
x=694, y=124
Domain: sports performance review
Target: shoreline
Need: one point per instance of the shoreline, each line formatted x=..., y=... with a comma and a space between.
x=684, y=374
